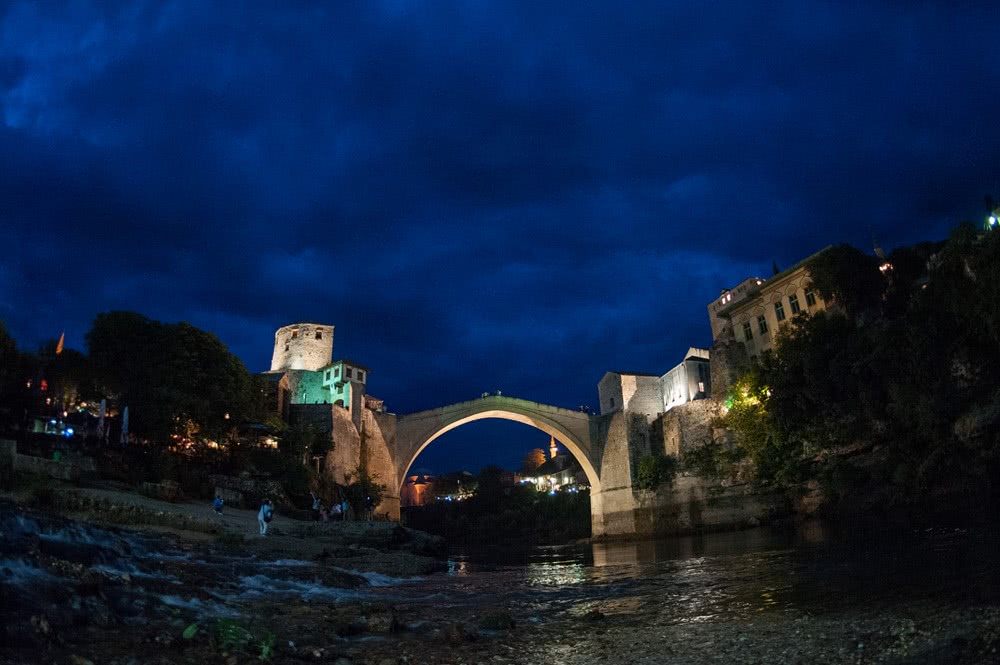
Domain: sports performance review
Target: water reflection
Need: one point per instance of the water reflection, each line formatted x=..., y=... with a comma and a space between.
x=734, y=575
x=560, y=573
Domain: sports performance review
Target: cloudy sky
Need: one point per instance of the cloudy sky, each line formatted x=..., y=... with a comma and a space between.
x=480, y=196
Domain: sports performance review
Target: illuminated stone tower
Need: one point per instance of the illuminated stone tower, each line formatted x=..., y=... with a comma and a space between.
x=304, y=346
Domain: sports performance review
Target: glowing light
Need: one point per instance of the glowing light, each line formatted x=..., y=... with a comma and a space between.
x=69, y=432
x=993, y=220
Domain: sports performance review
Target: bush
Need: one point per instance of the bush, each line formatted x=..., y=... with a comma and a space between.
x=656, y=470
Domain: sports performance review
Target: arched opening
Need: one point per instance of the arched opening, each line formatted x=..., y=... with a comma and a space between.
x=507, y=503
x=577, y=448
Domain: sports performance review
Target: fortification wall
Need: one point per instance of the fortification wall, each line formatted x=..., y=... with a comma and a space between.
x=686, y=426
x=302, y=346
x=727, y=362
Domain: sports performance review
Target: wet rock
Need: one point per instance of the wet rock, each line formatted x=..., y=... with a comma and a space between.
x=382, y=619
x=497, y=620
x=456, y=634
x=41, y=624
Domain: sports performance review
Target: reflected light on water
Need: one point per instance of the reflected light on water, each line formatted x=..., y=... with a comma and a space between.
x=556, y=574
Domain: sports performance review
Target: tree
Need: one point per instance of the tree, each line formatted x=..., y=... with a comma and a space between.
x=175, y=378
x=13, y=392
x=361, y=488
x=534, y=459
x=849, y=277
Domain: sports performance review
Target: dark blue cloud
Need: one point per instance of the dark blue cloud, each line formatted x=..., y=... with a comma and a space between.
x=480, y=196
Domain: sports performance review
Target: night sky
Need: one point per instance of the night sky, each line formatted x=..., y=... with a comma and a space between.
x=479, y=196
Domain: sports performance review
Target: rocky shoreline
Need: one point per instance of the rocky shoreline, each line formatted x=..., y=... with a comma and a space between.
x=80, y=590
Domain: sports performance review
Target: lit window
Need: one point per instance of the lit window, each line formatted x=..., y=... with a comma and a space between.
x=762, y=324
x=747, y=331
x=810, y=297
x=295, y=333
x=779, y=311
x=319, y=334
x=793, y=302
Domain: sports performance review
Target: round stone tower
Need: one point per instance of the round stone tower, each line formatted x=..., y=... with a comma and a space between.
x=302, y=346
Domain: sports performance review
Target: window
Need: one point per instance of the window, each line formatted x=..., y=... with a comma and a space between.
x=336, y=372
x=611, y=403
x=327, y=375
x=779, y=311
x=762, y=324
x=810, y=297
x=319, y=334
x=361, y=375
x=793, y=302
x=295, y=333
x=348, y=372
x=747, y=331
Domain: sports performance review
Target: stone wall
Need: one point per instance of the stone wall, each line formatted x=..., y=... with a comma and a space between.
x=345, y=456
x=632, y=392
x=728, y=361
x=247, y=492
x=686, y=426
x=692, y=504
x=61, y=470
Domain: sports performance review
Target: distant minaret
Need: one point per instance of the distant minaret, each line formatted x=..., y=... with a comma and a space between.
x=552, y=447
x=877, y=248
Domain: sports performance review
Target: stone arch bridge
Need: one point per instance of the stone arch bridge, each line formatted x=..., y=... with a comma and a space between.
x=607, y=446
x=599, y=444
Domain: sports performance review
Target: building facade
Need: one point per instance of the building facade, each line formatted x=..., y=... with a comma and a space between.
x=754, y=315
x=653, y=395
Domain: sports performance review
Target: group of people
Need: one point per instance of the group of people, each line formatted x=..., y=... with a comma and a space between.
x=336, y=511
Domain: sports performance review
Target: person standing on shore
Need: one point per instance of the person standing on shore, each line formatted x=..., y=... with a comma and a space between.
x=317, y=504
x=336, y=512
x=264, y=516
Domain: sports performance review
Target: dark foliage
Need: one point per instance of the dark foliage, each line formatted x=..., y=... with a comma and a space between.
x=896, y=403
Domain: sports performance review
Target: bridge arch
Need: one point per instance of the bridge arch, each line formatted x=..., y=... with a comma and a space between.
x=414, y=432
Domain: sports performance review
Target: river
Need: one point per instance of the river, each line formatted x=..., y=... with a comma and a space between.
x=804, y=595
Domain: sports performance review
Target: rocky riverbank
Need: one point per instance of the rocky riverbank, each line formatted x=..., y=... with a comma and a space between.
x=80, y=592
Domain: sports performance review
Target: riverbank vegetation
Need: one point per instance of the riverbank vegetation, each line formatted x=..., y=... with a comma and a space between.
x=495, y=513
x=891, y=400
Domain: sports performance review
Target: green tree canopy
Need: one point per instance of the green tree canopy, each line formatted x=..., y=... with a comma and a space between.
x=171, y=376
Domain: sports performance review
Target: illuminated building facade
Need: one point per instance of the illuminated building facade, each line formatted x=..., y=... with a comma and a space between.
x=757, y=309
